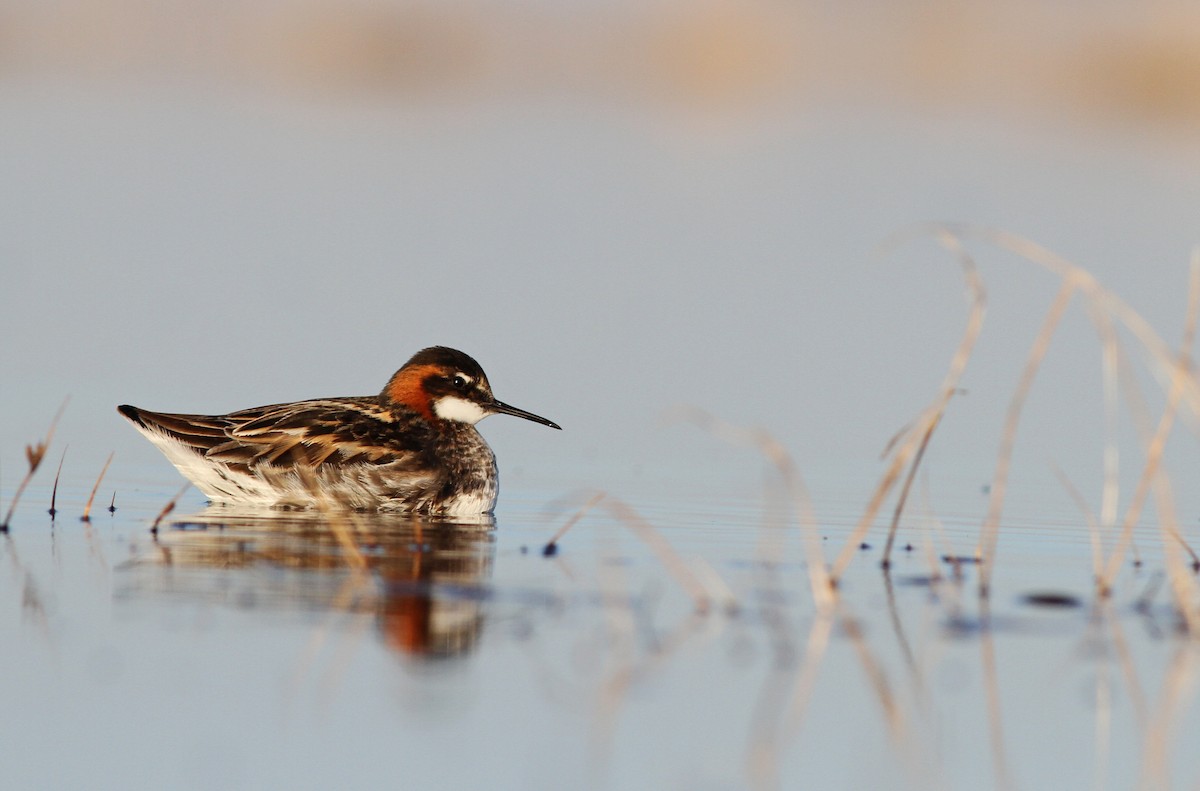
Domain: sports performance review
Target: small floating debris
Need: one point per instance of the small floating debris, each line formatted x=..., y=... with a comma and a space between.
x=1052, y=599
x=959, y=559
x=920, y=580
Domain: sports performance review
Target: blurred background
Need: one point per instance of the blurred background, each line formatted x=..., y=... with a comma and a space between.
x=615, y=207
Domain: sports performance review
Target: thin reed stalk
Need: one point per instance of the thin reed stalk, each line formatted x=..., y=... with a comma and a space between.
x=551, y=546
x=1154, y=451
x=666, y=554
x=1158, y=350
x=985, y=551
x=1183, y=585
x=777, y=455
x=87, y=509
x=932, y=414
x=1089, y=517
x=1138, y=411
x=886, y=562
x=33, y=455
x=1110, y=363
x=54, y=491
x=169, y=507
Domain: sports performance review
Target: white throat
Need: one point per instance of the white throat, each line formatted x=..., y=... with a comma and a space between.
x=458, y=409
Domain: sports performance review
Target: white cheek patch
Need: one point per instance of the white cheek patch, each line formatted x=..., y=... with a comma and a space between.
x=459, y=409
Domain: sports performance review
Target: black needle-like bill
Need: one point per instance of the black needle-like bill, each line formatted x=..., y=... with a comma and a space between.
x=502, y=408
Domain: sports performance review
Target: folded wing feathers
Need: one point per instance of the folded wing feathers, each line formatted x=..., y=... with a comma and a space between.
x=307, y=433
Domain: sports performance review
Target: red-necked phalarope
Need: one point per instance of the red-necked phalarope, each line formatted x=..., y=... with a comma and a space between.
x=412, y=448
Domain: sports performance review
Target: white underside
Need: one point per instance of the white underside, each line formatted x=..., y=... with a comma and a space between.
x=271, y=487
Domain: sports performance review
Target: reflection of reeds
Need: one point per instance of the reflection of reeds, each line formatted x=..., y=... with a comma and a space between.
x=87, y=509
x=33, y=455
x=1174, y=698
x=987, y=651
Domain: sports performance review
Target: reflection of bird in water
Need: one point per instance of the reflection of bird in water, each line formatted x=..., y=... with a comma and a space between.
x=412, y=448
x=423, y=579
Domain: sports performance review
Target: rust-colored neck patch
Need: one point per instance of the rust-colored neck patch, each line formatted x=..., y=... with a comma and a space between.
x=406, y=388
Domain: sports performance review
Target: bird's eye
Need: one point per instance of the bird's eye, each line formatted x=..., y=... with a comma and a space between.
x=459, y=382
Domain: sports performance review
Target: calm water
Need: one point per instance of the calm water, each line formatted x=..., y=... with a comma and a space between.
x=210, y=213
x=262, y=651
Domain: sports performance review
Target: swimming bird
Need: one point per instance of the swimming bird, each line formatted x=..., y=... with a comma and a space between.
x=413, y=448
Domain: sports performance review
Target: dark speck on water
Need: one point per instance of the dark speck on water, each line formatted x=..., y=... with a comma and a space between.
x=1052, y=599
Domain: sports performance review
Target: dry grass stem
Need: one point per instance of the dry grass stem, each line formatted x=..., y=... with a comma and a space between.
x=1110, y=365
x=33, y=455
x=886, y=562
x=1139, y=414
x=986, y=550
x=54, y=491
x=1160, y=354
x=776, y=453
x=666, y=554
x=719, y=589
x=341, y=523
x=1089, y=517
x=87, y=509
x=932, y=524
x=169, y=507
x=1183, y=584
x=1152, y=475
x=552, y=545
x=930, y=417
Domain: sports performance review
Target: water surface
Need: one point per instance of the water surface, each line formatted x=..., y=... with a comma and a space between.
x=264, y=650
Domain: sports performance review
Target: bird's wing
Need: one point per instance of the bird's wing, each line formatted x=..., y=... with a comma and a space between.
x=335, y=431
